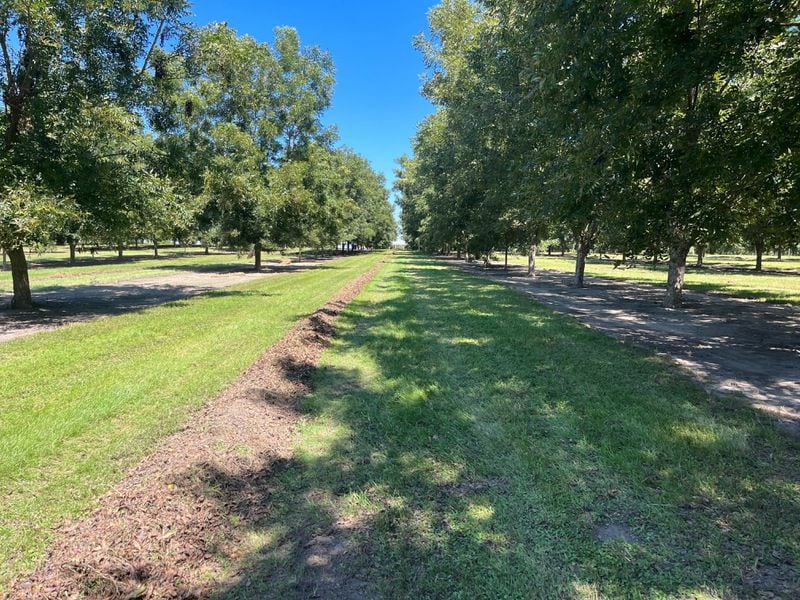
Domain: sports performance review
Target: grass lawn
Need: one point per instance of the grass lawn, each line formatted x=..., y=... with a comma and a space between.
x=80, y=405
x=770, y=287
x=52, y=269
x=479, y=445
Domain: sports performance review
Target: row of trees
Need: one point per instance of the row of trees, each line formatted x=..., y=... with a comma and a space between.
x=121, y=122
x=644, y=127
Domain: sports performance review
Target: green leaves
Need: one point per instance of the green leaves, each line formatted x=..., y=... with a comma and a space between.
x=641, y=126
x=29, y=214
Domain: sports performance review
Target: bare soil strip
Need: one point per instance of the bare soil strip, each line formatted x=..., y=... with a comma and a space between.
x=169, y=529
x=730, y=344
x=57, y=307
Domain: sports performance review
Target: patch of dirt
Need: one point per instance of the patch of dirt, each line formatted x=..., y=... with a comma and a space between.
x=615, y=533
x=771, y=581
x=468, y=487
x=170, y=527
x=323, y=560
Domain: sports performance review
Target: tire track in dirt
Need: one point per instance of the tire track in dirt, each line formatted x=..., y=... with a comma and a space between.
x=169, y=528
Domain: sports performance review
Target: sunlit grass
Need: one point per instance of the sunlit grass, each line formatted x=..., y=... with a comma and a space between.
x=78, y=406
x=769, y=287
x=52, y=269
x=478, y=445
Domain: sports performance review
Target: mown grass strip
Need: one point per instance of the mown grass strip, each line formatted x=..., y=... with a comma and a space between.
x=775, y=287
x=49, y=273
x=467, y=442
x=78, y=406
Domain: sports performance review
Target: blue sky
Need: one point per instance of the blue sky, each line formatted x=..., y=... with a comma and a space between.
x=377, y=103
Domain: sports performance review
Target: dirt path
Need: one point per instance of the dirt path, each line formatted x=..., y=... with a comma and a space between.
x=64, y=305
x=730, y=344
x=177, y=525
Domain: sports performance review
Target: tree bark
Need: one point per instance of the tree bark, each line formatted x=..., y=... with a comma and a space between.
x=780, y=253
x=580, y=262
x=72, y=245
x=677, y=276
x=120, y=248
x=22, y=299
x=532, y=260
x=257, y=255
x=207, y=251
x=506, y=265
x=759, y=255
x=155, y=248
x=701, y=254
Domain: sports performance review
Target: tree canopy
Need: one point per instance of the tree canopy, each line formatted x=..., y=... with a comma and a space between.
x=121, y=122
x=644, y=127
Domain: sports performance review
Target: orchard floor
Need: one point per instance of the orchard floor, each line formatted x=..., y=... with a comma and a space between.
x=730, y=344
x=456, y=439
x=62, y=305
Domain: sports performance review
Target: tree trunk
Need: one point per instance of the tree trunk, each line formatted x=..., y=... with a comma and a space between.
x=155, y=248
x=257, y=255
x=22, y=299
x=506, y=265
x=780, y=253
x=207, y=252
x=759, y=255
x=458, y=253
x=532, y=260
x=72, y=245
x=677, y=276
x=701, y=254
x=120, y=248
x=580, y=262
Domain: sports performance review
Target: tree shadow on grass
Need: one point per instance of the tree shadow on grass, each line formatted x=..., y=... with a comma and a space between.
x=464, y=441
x=37, y=263
x=84, y=303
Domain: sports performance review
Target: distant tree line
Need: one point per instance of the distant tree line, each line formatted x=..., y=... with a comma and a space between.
x=643, y=127
x=121, y=122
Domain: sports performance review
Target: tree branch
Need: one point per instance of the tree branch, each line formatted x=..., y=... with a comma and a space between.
x=152, y=46
x=6, y=57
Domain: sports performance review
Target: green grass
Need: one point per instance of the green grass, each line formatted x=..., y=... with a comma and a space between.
x=78, y=406
x=52, y=269
x=769, y=287
x=475, y=442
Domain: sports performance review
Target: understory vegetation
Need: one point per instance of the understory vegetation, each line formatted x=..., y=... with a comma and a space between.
x=465, y=441
x=80, y=405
